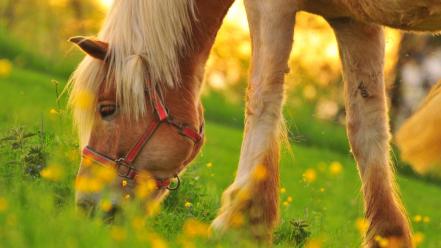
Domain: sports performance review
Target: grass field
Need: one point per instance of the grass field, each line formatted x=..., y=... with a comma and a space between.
x=320, y=178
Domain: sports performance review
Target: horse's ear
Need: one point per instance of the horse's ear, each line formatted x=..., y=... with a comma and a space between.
x=95, y=48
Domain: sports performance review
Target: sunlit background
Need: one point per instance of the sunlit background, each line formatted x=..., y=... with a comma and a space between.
x=314, y=80
x=320, y=185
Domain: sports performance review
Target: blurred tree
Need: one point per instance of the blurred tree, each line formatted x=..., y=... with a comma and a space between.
x=418, y=69
x=9, y=12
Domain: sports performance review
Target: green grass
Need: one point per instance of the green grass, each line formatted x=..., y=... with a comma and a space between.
x=41, y=213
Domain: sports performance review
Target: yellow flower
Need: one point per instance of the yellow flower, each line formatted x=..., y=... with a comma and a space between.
x=209, y=165
x=3, y=205
x=188, y=204
x=362, y=225
x=53, y=112
x=106, y=205
x=285, y=203
x=237, y=220
x=417, y=218
x=52, y=173
x=314, y=243
x=105, y=174
x=282, y=190
x=194, y=228
x=84, y=100
x=118, y=233
x=87, y=162
x=335, y=168
x=138, y=223
x=259, y=173
x=5, y=67
x=322, y=190
x=310, y=175
x=426, y=219
x=289, y=199
x=124, y=183
x=417, y=238
x=145, y=187
x=152, y=208
x=88, y=185
x=157, y=242
x=382, y=242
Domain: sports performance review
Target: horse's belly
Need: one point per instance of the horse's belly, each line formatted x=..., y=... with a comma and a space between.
x=326, y=8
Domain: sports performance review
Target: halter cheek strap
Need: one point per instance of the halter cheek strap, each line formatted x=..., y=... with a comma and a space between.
x=124, y=165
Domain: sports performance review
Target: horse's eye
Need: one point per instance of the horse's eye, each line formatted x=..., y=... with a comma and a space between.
x=106, y=110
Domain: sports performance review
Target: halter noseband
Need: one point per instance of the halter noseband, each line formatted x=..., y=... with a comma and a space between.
x=124, y=165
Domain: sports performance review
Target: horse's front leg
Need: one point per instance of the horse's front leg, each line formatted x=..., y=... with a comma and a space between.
x=362, y=54
x=252, y=199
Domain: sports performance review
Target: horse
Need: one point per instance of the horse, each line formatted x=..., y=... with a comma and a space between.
x=143, y=75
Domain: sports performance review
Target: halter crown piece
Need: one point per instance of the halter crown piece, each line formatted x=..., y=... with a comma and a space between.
x=124, y=165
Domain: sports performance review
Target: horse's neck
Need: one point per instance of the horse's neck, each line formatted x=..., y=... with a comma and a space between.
x=209, y=17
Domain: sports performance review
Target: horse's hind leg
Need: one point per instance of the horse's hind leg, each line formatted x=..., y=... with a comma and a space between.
x=253, y=197
x=362, y=55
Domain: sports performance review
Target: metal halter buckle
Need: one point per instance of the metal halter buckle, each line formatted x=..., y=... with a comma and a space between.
x=123, y=169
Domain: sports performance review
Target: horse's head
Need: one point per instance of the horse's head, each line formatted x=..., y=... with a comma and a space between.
x=126, y=147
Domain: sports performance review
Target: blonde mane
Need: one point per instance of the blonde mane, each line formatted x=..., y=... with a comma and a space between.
x=146, y=39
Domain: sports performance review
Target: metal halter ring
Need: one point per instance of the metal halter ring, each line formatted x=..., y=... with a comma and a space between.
x=178, y=183
x=121, y=163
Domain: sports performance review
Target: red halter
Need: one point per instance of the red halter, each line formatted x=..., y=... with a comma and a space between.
x=124, y=165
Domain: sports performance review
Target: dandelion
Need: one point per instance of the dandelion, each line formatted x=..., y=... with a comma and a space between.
x=335, y=168
x=362, y=225
x=3, y=205
x=237, y=220
x=285, y=203
x=417, y=218
x=53, y=112
x=382, y=242
x=138, y=223
x=417, y=239
x=118, y=233
x=322, y=190
x=88, y=185
x=5, y=67
x=426, y=219
x=259, y=173
x=84, y=100
x=52, y=173
x=87, y=162
x=289, y=199
x=145, y=188
x=282, y=190
x=310, y=175
x=105, y=174
x=243, y=195
x=209, y=165
x=314, y=243
x=106, y=205
x=195, y=228
x=152, y=208
x=188, y=204
x=157, y=241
